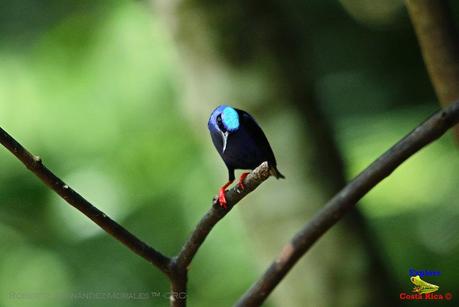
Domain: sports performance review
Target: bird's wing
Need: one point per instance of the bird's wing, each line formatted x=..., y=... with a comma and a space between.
x=257, y=134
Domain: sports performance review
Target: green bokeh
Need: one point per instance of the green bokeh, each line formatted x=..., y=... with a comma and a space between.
x=95, y=90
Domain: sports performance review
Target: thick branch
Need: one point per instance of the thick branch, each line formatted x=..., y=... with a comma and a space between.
x=179, y=280
x=439, y=42
x=344, y=201
x=216, y=213
x=35, y=165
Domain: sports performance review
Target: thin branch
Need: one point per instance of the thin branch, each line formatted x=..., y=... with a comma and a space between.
x=216, y=213
x=345, y=200
x=36, y=166
x=179, y=264
x=439, y=42
x=177, y=267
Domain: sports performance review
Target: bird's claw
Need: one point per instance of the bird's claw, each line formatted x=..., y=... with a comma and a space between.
x=221, y=195
x=222, y=199
x=240, y=184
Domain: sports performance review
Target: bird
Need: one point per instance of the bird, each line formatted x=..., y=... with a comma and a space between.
x=241, y=143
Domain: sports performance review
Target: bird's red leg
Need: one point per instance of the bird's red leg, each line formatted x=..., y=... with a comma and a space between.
x=240, y=184
x=221, y=194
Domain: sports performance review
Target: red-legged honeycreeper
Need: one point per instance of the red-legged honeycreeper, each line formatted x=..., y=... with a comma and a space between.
x=241, y=143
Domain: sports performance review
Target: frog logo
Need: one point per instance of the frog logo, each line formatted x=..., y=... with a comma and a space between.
x=423, y=287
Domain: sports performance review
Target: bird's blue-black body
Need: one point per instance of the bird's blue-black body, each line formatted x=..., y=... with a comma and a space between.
x=240, y=141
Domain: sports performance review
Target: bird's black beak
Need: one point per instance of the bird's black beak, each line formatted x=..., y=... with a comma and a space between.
x=225, y=139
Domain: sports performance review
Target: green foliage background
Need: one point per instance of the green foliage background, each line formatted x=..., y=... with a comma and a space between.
x=94, y=88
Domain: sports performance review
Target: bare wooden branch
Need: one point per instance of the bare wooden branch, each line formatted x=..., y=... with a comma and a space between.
x=175, y=269
x=439, y=42
x=345, y=200
x=179, y=279
x=36, y=166
x=216, y=213
x=181, y=263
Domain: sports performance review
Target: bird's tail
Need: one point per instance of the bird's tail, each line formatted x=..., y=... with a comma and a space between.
x=275, y=172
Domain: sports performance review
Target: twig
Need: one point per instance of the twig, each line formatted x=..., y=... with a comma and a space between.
x=175, y=268
x=36, y=166
x=439, y=42
x=180, y=264
x=216, y=213
x=344, y=201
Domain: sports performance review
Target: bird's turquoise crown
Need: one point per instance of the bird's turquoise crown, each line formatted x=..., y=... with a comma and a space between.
x=230, y=118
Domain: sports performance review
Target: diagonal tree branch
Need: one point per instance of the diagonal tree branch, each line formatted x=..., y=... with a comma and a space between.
x=176, y=268
x=36, y=166
x=345, y=200
x=180, y=263
x=216, y=213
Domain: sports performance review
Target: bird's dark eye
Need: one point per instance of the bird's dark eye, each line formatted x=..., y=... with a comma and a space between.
x=220, y=123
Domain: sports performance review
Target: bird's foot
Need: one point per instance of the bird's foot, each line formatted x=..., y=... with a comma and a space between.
x=240, y=184
x=221, y=194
